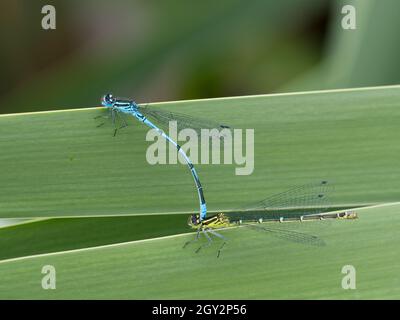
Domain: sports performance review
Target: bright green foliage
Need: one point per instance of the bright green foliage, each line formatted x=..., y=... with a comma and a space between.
x=60, y=164
x=253, y=265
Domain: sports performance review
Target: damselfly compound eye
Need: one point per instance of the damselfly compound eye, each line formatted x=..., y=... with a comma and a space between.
x=108, y=100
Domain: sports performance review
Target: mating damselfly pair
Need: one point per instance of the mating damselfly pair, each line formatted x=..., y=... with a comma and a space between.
x=297, y=205
x=120, y=107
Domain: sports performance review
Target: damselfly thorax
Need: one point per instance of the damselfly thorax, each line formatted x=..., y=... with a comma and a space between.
x=217, y=221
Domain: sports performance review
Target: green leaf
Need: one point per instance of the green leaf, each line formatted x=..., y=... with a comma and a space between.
x=253, y=265
x=61, y=164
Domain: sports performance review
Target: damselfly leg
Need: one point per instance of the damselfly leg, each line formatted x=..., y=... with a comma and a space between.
x=118, y=121
x=106, y=117
x=209, y=241
x=221, y=237
x=121, y=122
x=207, y=233
x=193, y=240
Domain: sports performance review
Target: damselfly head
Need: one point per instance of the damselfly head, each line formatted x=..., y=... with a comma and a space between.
x=194, y=220
x=108, y=100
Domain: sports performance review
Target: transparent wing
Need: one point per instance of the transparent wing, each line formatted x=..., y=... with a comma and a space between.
x=286, y=234
x=298, y=201
x=311, y=198
x=163, y=117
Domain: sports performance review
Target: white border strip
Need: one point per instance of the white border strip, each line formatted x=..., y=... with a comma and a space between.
x=221, y=98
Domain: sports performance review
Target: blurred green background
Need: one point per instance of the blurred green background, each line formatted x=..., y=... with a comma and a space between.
x=174, y=50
